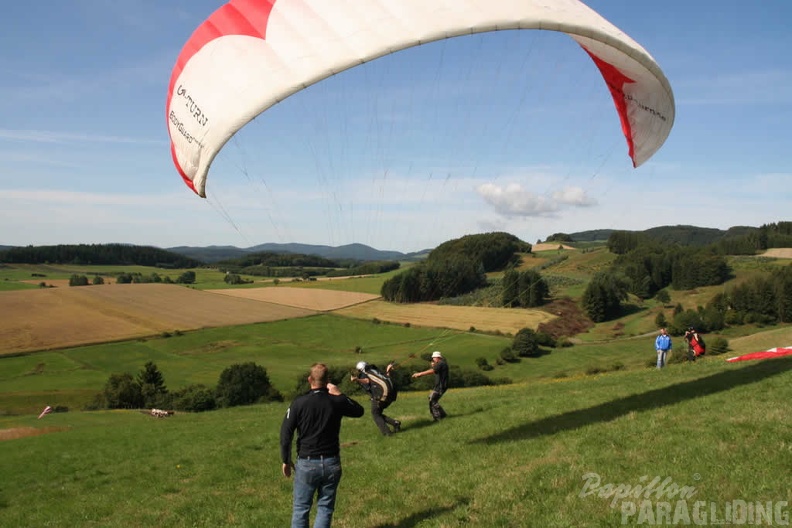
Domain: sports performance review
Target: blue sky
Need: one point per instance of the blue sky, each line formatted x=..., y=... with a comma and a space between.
x=401, y=154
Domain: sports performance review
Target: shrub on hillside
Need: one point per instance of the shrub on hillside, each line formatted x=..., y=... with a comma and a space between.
x=508, y=355
x=525, y=343
x=717, y=346
x=122, y=392
x=459, y=377
x=244, y=384
x=483, y=364
x=78, y=280
x=194, y=398
x=543, y=339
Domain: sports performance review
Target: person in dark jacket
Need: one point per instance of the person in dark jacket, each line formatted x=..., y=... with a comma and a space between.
x=440, y=370
x=382, y=393
x=316, y=416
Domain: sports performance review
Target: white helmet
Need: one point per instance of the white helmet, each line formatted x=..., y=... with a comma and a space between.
x=361, y=365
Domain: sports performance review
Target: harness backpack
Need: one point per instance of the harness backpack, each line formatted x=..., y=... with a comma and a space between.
x=382, y=387
x=697, y=342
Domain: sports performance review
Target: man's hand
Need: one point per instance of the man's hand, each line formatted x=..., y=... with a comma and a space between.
x=333, y=389
x=287, y=470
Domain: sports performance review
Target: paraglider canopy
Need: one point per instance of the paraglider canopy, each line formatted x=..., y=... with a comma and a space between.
x=251, y=54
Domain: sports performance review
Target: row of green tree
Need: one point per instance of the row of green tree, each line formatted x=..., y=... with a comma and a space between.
x=187, y=277
x=98, y=254
x=239, y=384
x=270, y=264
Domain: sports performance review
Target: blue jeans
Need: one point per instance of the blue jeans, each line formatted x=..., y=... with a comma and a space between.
x=317, y=476
x=661, y=358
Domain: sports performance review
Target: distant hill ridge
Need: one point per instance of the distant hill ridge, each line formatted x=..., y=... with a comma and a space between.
x=677, y=234
x=361, y=252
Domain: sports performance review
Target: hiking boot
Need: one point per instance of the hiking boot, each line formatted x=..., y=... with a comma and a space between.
x=396, y=426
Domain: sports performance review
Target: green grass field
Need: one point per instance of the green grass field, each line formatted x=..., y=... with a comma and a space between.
x=518, y=455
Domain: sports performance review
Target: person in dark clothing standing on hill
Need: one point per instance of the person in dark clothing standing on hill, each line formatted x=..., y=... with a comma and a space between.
x=382, y=392
x=440, y=370
x=316, y=417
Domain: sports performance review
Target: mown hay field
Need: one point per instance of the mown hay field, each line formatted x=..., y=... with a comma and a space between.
x=62, y=317
x=311, y=299
x=504, y=320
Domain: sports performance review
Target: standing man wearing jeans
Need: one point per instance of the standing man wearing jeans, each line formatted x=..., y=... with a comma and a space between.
x=662, y=345
x=317, y=418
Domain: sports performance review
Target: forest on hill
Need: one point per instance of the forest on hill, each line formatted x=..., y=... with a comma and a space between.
x=98, y=254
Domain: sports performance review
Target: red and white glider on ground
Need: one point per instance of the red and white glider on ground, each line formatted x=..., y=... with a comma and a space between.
x=764, y=354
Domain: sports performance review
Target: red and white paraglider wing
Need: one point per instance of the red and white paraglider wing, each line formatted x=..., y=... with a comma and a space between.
x=250, y=54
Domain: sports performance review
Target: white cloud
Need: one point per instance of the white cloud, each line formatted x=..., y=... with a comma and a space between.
x=513, y=200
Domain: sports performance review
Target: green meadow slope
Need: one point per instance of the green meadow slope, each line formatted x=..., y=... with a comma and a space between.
x=538, y=453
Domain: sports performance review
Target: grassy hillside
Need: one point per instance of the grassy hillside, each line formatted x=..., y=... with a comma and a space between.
x=509, y=456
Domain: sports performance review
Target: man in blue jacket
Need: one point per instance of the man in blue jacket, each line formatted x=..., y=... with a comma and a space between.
x=662, y=345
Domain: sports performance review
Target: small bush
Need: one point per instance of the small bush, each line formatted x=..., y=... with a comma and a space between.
x=543, y=339
x=244, y=384
x=525, y=343
x=508, y=355
x=717, y=346
x=483, y=364
x=194, y=398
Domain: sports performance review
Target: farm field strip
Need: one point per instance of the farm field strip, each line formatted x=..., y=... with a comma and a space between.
x=61, y=317
x=506, y=320
x=312, y=299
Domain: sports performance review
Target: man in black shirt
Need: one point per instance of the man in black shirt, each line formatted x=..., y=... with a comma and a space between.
x=440, y=370
x=317, y=418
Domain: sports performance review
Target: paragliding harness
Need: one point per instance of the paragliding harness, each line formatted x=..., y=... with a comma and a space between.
x=698, y=345
x=381, y=387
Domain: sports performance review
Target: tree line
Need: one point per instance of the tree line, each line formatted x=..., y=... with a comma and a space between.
x=270, y=264
x=98, y=254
